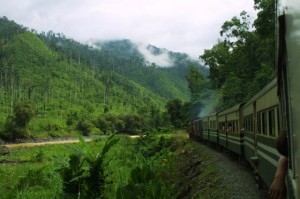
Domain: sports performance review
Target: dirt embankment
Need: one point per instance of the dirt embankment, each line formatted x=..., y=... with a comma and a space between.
x=210, y=173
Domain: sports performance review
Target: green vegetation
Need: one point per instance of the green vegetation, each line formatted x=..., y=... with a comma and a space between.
x=52, y=86
x=242, y=62
x=83, y=175
x=15, y=126
x=152, y=166
x=74, y=88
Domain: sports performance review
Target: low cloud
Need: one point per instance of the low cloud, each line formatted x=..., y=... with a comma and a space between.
x=180, y=26
x=161, y=59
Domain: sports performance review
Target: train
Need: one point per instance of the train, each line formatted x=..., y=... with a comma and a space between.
x=250, y=129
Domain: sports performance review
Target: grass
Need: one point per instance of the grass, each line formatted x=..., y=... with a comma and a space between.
x=154, y=166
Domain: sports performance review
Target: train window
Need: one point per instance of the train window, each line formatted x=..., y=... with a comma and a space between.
x=271, y=117
x=264, y=122
x=234, y=126
x=229, y=126
x=259, y=122
x=247, y=123
x=251, y=123
x=222, y=126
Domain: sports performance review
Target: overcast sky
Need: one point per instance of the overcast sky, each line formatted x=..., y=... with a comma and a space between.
x=188, y=26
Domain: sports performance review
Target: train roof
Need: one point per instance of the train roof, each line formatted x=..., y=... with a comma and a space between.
x=212, y=114
x=232, y=109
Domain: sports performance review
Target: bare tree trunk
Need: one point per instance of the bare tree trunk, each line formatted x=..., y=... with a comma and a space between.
x=12, y=96
x=75, y=92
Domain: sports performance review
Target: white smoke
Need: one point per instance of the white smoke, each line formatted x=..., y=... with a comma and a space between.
x=162, y=60
x=210, y=104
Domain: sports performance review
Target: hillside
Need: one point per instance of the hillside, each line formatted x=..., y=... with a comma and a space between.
x=159, y=70
x=72, y=86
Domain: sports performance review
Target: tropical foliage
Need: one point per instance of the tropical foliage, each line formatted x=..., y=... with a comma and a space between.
x=242, y=61
x=76, y=88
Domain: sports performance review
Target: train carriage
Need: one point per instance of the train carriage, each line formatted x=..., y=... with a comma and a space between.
x=263, y=117
x=235, y=139
x=195, y=129
x=248, y=130
x=205, y=126
x=266, y=131
x=222, y=126
x=260, y=115
x=213, y=130
x=288, y=72
x=198, y=130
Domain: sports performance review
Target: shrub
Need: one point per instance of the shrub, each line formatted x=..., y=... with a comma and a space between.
x=15, y=125
x=83, y=174
x=85, y=127
x=72, y=118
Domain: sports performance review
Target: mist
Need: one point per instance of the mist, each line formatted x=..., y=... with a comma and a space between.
x=163, y=59
x=210, y=104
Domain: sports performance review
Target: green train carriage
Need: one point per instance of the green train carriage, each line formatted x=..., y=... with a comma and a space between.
x=205, y=127
x=288, y=72
x=213, y=130
x=267, y=129
x=248, y=112
x=235, y=139
x=222, y=129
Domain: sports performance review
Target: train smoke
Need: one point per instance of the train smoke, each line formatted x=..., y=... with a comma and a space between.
x=210, y=104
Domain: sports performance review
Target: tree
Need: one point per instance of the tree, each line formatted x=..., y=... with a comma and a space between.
x=199, y=89
x=217, y=58
x=265, y=22
x=240, y=60
x=195, y=80
x=16, y=124
x=23, y=111
x=174, y=109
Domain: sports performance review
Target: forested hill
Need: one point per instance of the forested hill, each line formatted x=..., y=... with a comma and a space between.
x=174, y=62
x=71, y=84
x=160, y=71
